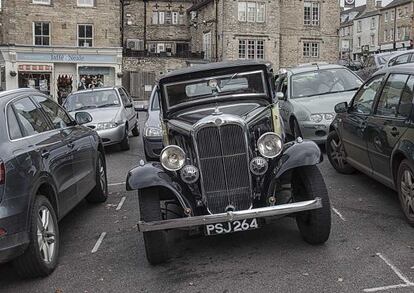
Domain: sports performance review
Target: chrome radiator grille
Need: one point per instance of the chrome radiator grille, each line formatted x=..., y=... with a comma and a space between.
x=224, y=167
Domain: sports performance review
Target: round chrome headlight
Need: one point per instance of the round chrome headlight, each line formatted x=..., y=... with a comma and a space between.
x=270, y=145
x=172, y=158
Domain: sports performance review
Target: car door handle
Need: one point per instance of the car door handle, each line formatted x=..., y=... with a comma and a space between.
x=71, y=145
x=394, y=131
x=45, y=154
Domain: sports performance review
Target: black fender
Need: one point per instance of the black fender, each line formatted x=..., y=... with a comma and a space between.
x=153, y=175
x=305, y=153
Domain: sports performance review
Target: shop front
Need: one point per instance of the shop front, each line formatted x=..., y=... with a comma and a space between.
x=60, y=71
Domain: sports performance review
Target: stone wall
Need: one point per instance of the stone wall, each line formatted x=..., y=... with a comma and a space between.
x=64, y=16
x=404, y=21
x=156, y=65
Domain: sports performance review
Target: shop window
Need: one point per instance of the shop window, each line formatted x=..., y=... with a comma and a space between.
x=86, y=3
x=39, y=81
x=44, y=2
x=85, y=35
x=41, y=33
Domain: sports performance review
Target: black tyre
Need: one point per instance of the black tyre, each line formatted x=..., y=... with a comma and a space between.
x=405, y=185
x=41, y=257
x=125, y=142
x=135, y=130
x=156, y=243
x=336, y=154
x=307, y=184
x=100, y=192
x=296, y=129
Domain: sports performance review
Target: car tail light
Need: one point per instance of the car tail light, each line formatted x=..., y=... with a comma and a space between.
x=2, y=173
x=3, y=232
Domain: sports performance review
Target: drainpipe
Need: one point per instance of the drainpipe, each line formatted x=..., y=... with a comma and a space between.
x=216, y=28
x=145, y=25
x=395, y=29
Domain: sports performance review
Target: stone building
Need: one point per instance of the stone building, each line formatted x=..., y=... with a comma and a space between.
x=156, y=40
x=366, y=30
x=164, y=35
x=396, y=27
x=52, y=44
x=285, y=32
x=346, y=32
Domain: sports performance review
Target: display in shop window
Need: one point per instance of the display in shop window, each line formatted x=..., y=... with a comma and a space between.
x=64, y=85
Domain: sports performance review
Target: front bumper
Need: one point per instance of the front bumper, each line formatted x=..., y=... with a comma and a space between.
x=278, y=210
x=318, y=132
x=153, y=146
x=112, y=135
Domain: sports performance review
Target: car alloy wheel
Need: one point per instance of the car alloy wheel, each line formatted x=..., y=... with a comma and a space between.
x=102, y=175
x=338, y=152
x=407, y=193
x=46, y=236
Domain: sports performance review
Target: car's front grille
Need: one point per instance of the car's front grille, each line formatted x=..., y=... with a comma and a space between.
x=224, y=167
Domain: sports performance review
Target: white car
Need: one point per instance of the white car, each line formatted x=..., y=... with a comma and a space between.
x=402, y=57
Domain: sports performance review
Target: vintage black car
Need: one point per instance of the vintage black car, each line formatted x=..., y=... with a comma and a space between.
x=375, y=133
x=225, y=167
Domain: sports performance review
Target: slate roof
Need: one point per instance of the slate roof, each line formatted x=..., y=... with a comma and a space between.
x=396, y=3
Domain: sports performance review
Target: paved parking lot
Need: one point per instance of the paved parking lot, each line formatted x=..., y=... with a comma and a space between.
x=371, y=248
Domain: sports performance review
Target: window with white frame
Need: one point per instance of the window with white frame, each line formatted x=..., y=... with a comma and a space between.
x=251, y=11
x=385, y=35
x=85, y=35
x=175, y=18
x=373, y=23
x=43, y=2
x=207, y=45
x=391, y=34
x=372, y=40
x=359, y=26
x=251, y=49
x=386, y=16
x=392, y=15
x=359, y=42
x=311, y=13
x=86, y=3
x=41, y=33
x=311, y=49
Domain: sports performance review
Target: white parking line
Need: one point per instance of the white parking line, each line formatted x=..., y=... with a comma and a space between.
x=338, y=213
x=121, y=203
x=99, y=242
x=116, y=184
x=407, y=282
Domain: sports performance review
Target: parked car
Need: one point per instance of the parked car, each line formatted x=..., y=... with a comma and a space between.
x=375, y=133
x=400, y=58
x=112, y=110
x=308, y=95
x=152, y=136
x=226, y=167
x=48, y=164
x=374, y=63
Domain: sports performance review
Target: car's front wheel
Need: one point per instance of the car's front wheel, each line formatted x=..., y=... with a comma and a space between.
x=336, y=154
x=308, y=184
x=100, y=192
x=406, y=189
x=41, y=257
x=125, y=141
x=156, y=243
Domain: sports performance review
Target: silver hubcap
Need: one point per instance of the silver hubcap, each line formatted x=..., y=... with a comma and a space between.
x=102, y=175
x=338, y=153
x=407, y=193
x=46, y=236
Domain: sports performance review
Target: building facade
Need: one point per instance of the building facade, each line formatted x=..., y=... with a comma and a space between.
x=346, y=32
x=52, y=45
x=396, y=26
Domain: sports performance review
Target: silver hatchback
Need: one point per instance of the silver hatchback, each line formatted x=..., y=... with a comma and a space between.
x=112, y=110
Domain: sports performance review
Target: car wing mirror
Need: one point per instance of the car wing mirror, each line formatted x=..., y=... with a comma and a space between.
x=83, y=118
x=341, y=107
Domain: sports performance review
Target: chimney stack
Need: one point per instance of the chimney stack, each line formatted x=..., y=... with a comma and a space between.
x=379, y=4
x=371, y=5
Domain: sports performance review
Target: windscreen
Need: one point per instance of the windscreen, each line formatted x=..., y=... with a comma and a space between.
x=244, y=83
x=321, y=82
x=93, y=99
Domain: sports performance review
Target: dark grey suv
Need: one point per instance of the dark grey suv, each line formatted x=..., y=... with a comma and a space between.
x=48, y=164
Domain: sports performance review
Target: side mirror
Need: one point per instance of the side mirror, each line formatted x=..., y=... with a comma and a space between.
x=341, y=107
x=280, y=96
x=129, y=105
x=83, y=118
x=141, y=108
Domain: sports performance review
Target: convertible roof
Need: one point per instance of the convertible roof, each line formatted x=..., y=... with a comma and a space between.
x=213, y=66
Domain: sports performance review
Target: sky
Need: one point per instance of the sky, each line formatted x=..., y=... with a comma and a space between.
x=361, y=2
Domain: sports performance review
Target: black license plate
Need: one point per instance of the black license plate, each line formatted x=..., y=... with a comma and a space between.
x=231, y=227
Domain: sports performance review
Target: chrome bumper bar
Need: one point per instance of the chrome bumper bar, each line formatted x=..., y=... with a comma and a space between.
x=278, y=210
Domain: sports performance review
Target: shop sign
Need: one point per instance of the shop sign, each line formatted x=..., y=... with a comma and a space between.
x=35, y=68
x=65, y=58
